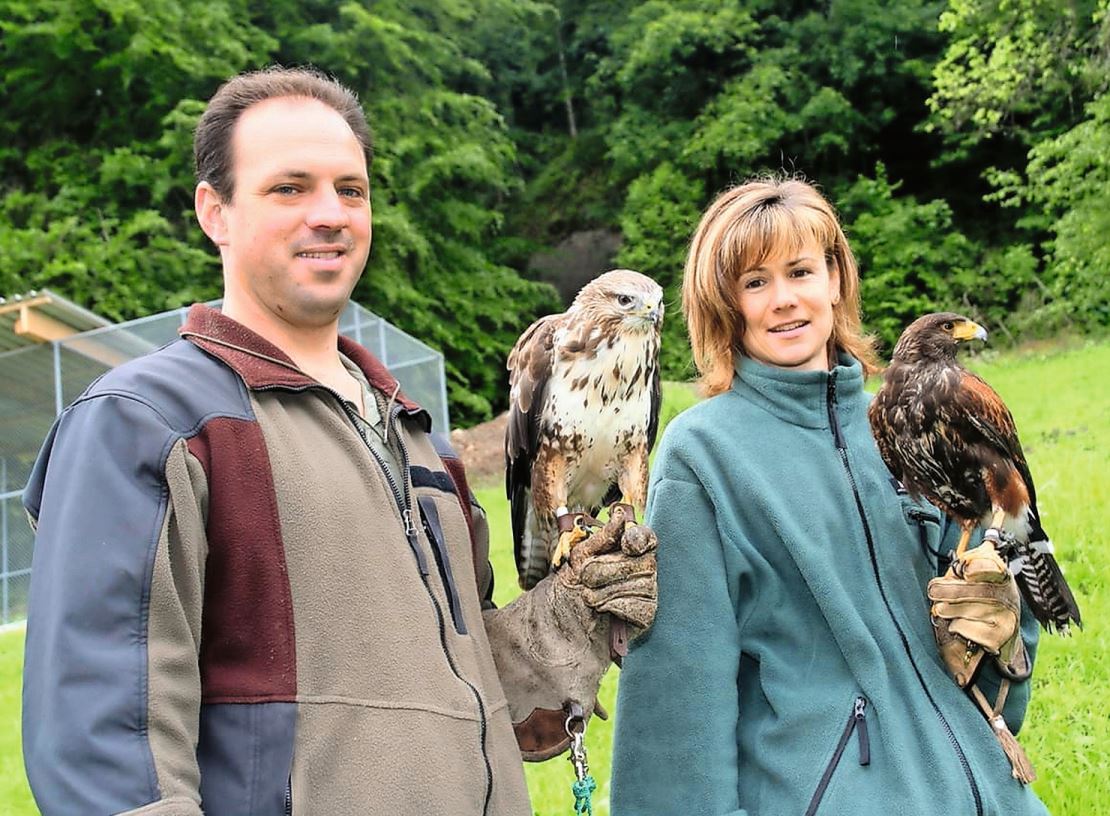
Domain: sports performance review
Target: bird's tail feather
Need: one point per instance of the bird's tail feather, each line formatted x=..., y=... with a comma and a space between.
x=537, y=545
x=1043, y=585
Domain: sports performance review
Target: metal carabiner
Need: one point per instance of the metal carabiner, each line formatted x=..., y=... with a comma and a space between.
x=577, y=736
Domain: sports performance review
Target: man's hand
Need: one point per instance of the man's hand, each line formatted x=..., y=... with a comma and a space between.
x=976, y=611
x=551, y=645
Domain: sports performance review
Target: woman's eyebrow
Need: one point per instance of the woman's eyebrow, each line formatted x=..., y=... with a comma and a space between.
x=795, y=262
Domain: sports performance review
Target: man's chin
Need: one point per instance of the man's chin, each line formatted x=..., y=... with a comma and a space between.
x=314, y=310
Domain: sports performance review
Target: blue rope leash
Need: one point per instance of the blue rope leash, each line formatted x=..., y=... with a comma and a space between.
x=584, y=785
x=583, y=796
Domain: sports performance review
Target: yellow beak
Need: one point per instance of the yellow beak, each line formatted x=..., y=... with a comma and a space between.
x=968, y=330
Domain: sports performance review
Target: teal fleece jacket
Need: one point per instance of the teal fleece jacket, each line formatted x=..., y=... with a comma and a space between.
x=791, y=668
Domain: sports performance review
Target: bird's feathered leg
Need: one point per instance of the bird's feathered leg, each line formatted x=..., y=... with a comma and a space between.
x=549, y=497
x=632, y=481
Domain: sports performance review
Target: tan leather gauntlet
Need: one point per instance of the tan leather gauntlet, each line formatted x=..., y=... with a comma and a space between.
x=976, y=612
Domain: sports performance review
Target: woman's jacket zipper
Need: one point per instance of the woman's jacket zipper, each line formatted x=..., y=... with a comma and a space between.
x=404, y=505
x=857, y=721
x=842, y=449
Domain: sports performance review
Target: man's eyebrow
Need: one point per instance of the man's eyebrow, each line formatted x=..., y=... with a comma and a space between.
x=302, y=174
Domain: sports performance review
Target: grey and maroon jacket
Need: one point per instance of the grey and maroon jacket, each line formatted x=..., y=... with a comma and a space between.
x=234, y=610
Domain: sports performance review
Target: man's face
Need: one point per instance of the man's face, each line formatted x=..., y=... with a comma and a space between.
x=295, y=237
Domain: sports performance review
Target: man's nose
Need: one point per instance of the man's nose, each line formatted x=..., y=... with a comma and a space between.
x=327, y=211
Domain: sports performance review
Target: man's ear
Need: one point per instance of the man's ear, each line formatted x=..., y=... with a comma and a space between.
x=211, y=213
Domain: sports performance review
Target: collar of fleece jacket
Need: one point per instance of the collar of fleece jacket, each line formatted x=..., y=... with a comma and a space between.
x=261, y=364
x=803, y=398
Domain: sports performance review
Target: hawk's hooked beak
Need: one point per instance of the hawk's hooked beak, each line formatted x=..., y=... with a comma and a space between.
x=653, y=312
x=968, y=330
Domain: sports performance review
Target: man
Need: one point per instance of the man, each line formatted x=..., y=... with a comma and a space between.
x=260, y=585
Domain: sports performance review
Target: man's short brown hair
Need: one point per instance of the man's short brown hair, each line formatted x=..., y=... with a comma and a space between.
x=212, y=139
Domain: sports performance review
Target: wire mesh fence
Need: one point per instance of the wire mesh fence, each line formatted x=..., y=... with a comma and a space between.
x=37, y=382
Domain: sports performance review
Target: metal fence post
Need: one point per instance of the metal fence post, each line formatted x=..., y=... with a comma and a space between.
x=443, y=394
x=381, y=342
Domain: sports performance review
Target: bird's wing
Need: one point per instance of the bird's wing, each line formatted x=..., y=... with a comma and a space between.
x=656, y=404
x=1036, y=571
x=530, y=363
x=878, y=417
x=989, y=420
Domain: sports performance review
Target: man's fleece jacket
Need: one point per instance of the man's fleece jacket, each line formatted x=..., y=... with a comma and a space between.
x=234, y=610
x=792, y=611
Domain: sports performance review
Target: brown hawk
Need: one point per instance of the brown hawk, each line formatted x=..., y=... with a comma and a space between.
x=583, y=414
x=947, y=436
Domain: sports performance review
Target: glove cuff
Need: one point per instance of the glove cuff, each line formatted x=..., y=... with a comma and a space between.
x=1016, y=667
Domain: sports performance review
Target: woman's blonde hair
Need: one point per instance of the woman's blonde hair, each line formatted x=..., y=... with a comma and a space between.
x=739, y=231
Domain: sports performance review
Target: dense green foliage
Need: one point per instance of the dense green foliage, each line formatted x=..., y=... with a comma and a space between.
x=965, y=144
x=961, y=142
x=99, y=103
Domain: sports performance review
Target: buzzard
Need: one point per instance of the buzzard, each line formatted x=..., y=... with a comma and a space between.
x=946, y=435
x=583, y=413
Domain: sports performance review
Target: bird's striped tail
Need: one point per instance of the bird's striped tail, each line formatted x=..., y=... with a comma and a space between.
x=1042, y=583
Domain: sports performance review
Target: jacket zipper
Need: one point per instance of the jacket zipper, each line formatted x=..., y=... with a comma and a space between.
x=842, y=449
x=857, y=721
x=404, y=505
x=289, y=796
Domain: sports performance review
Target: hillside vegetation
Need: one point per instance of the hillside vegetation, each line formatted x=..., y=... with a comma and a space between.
x=966, y=144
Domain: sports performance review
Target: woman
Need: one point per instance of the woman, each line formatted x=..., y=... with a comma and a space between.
x=791, y=668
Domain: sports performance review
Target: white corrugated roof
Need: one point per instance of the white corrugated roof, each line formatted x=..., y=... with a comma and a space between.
x=48, y=304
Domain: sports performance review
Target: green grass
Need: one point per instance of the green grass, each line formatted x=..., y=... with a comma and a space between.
x=15, y=798
x=1061, y=401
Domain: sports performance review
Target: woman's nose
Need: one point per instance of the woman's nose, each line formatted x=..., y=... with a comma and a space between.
x=782, y=293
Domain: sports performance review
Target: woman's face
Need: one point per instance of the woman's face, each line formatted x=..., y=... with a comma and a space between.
x=787, y=306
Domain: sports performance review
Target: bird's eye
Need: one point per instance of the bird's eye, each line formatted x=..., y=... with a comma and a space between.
x=624, y=300
x=948, y=326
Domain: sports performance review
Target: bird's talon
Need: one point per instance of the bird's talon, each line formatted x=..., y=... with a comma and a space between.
x=575, y=529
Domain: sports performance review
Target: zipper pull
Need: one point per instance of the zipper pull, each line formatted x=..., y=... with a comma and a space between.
x=834, y=420
x=414, y=542
x=861, y=730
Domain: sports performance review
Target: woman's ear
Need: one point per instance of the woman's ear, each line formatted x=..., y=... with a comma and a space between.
x=834, y=279
x=211, y=213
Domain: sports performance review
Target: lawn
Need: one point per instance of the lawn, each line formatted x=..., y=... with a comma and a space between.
x=1061, y=402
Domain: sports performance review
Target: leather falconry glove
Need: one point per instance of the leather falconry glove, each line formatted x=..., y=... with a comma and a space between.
x=976, y=611
x=551, y=644
x=615, y=569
